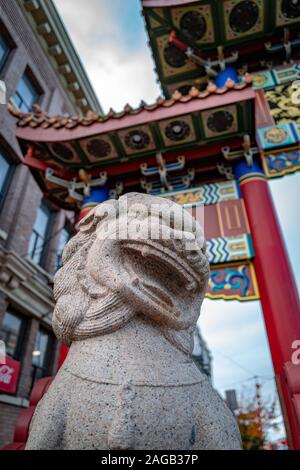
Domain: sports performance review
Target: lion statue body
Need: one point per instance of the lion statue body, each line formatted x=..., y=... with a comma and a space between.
x=127, y=301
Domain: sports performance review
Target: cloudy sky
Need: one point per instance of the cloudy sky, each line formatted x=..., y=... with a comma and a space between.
x=112, y=43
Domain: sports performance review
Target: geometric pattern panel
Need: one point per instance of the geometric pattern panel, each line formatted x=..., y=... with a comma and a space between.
x=225, y=250
x=206, y=195
x=280, y=164
x=234, y=281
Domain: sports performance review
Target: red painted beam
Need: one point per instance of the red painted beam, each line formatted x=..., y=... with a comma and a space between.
x=193, y=156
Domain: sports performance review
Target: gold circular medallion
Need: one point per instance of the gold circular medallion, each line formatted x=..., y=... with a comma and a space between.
x=275, y=135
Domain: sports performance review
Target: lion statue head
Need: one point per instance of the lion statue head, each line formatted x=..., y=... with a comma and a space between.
x=139, y=255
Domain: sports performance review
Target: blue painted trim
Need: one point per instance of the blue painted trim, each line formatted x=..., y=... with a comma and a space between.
x=229, y=73
x=97, y=195
x=241, y=168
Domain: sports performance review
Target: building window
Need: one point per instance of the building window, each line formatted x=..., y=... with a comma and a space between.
x=4, y=51
x=41, y=355
x=38, y=240
x=26, y=95
x=12, y=333
x=64, y=237
x=6, y=170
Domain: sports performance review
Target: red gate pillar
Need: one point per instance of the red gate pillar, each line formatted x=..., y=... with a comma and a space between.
x=278, y=291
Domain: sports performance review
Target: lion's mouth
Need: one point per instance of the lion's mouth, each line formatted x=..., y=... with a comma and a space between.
x=154, y=263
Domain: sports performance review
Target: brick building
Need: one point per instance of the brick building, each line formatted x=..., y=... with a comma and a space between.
x=39, y=65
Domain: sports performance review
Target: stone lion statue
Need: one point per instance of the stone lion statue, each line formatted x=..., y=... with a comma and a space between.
x=127, y=301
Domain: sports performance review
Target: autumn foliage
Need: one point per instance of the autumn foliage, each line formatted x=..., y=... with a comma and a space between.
x=255, y=418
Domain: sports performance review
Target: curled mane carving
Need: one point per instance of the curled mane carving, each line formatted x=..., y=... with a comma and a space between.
x=110, y=278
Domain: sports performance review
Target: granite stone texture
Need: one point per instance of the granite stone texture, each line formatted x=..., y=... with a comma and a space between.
x=127, y=301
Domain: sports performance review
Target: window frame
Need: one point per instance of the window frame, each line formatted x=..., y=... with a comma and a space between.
x=7, y=182
x=46, y=370
x=22, y=333
x=46, y=238
x=32, y=83
x=9, y=43
x=3, y=41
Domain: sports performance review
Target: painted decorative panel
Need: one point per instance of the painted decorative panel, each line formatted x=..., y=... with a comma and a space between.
x=205, y=24
x=225, y=250
x=172, y=60
x=287, y=74
x=137, y=140
x=206, y=194
x=99, y=148
x=220, y=121
x=263, y=80
x=177, y=130
x=232, y=218
x=157, y=18
x=282, y=104
x=65, y=152
x=225, y=219
x=234, y=281
x=243, y=18
x=287, y=12
x=272, y=78
x=195, y=23
x=282, y=135
x=280, y=164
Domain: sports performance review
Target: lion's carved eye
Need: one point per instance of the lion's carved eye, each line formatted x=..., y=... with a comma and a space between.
x=87, y=222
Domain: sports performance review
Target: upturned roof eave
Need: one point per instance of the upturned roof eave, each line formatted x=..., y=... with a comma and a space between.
x=131, y=119
x=165, y=3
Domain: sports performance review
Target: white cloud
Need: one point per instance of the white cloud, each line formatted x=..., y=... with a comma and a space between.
x=236, y=335
x=119, y=73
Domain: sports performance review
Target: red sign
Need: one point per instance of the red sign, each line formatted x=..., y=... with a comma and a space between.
x=9, y=374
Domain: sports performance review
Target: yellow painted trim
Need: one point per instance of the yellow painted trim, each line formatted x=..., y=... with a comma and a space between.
x=255, y=284
x=231, y=297
x=265, y=152
x=255, y=178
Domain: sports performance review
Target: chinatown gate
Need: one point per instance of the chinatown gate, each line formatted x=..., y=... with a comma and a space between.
x=229, y=121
